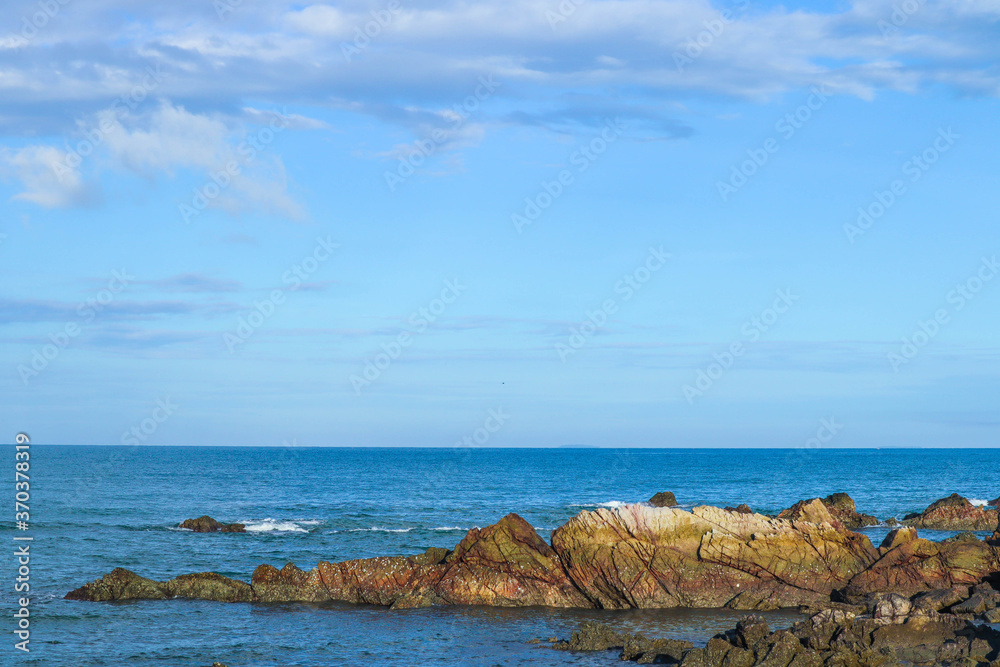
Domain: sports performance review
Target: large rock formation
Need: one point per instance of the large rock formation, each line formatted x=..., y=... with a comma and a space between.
x=954, y=513
x=634, y=556
x=840, y=506
x=637, y=556
x=206, y=524
x=917, y=565
x=506, y=564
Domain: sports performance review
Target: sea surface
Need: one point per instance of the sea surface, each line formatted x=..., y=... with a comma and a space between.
x=97, y=508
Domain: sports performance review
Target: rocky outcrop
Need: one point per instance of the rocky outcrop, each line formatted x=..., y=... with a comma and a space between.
x=954, y=513
x=663, y=499
x=638, y=556
x=920, y=565
x=742, y=509
x=206, y=524
x=634, y=556
x=887, y=636
x=840, y=506
x=506, y=564
x=121, y=584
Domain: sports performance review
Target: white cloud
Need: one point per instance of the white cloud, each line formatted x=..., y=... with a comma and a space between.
x=47, y=180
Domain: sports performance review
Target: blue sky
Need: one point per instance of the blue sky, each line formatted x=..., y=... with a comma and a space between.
x=499, y=183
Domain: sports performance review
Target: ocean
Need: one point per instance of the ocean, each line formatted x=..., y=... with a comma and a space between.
x=97, y=508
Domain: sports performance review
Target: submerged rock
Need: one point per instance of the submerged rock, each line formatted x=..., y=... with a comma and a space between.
x=955, y=513
x=663, y=499
x=206, y=524
x=840, y=506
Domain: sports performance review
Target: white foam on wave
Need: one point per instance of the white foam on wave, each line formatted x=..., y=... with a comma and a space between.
x=611, y=503
x=448, y=528
x=273, y=525
x=376, y=529
x=979, y=503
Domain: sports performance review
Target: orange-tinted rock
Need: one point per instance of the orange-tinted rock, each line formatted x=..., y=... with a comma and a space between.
x=507, y=564
x=955, y=513
x=921, y=565
x=840, y=506
x=637, y=556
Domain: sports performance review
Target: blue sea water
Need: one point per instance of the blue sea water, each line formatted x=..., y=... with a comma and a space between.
x=97, y=508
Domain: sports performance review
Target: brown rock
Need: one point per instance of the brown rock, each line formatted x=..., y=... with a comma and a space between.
x=897, y=537
x=740, y=509
x=840, y=507
x=206, y=524
x=921, y=565
x=955, y=513
x=507, y=564
x=635, y=556
x=663, y=499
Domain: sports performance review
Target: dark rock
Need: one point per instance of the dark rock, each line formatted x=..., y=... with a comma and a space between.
x=835, y=638
x=663, y=499
x=994, y=503
x=955, y=513
x=206, y=524
x=740, y=509
x=939, y=599
x=593, y=637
